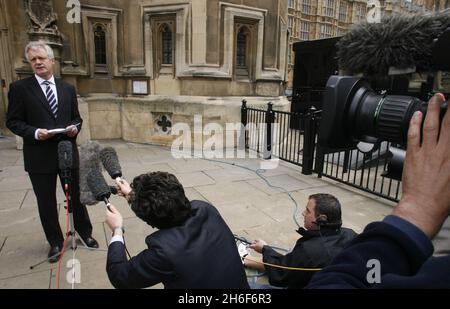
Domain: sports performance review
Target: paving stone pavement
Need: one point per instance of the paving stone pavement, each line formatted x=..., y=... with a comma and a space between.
x=250, y=206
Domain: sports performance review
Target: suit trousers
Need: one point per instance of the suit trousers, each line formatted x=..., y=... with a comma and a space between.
x=44, y=186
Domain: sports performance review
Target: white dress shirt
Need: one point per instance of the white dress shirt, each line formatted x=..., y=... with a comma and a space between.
x=117, y=238
x=44, y=87
x=41, y=81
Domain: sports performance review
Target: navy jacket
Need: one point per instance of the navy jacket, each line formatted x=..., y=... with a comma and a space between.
x=314, y=250
x=200, y=254
x=403, y=252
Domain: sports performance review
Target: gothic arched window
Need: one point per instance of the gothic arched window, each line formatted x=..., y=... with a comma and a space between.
x=166, y=36
x=100, y=45
x=241, y=47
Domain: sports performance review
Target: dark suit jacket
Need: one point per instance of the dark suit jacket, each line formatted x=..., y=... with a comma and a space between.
x=29, y=110
x=403, y=251
x=201, y=253
x=314, y=250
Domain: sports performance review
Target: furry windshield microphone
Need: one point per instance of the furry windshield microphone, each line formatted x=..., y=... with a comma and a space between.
x=89, y=160
x=403, y=43
x=98, y=186
x=111, y=163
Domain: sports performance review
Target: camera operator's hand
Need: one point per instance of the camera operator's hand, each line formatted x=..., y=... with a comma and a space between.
x=114, y=219
x=258, y=245
x=426, y=178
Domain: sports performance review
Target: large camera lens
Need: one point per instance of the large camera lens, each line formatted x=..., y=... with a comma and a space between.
x=384, y=117
x=353, y=112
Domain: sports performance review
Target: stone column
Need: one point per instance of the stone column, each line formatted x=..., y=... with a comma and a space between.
x=199, y=37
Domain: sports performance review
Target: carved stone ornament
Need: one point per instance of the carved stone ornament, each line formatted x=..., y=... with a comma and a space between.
x=41, y=14
x=163, y=125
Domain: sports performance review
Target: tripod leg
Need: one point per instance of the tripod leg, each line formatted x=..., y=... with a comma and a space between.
x=82, y=241
x=46, y=260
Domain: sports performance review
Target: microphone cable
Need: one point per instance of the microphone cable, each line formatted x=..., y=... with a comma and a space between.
x=66, y=242
x=258, y=172
x=123, y=230
x=282, y=267
x=125, y=245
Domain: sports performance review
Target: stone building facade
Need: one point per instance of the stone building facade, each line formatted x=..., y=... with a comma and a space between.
x=320, y=19
x=142, y=65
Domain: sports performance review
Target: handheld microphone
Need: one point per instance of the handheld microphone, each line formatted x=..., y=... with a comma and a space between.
x=99, y=187
x=89, y=160
x=113, y=190
x=405, y=44
x=110, y=160
x=65, y=160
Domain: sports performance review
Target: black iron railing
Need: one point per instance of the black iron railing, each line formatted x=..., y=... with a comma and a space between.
x=292, y=137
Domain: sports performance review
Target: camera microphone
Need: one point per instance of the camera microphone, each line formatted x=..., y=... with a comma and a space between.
x=110, y=160
x=89, y=160
x=399, y=43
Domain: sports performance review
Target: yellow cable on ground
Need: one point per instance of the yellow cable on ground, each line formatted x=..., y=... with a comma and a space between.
x=283, y=267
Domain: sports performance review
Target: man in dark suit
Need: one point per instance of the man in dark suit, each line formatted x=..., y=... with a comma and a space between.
x=36, y=105
x=193, y=248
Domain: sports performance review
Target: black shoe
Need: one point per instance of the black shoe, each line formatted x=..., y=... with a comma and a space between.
x=90, y=242
x=54, y=254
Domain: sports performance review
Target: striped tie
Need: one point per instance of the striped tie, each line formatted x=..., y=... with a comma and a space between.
x=51, y=98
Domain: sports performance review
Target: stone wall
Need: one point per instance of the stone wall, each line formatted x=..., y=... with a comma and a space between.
x=151, y=119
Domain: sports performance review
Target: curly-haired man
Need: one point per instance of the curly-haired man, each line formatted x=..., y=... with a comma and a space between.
x=193, y=247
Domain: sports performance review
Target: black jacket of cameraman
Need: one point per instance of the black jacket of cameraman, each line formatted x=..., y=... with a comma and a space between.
x=315, y=249
x=403, y=252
